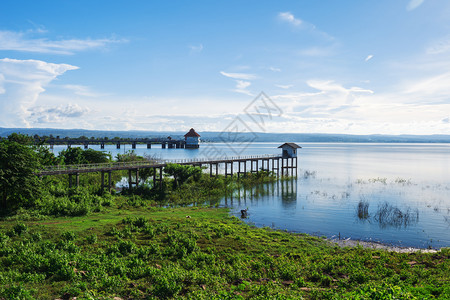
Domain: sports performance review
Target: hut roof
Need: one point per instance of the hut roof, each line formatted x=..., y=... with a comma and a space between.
x=292, y=145
x=192, y=133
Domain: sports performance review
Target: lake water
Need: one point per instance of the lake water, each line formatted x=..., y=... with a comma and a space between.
x=391, y=193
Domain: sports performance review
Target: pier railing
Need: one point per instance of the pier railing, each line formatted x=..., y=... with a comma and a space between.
x=66, y=169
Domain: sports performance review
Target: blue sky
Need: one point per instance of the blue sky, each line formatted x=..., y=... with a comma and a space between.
x=356, y=67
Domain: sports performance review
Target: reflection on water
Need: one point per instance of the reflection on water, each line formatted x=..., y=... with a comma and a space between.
x=390, y=215
x=363, y=210
x=285, y=188
x=289, y=193
x=374, y=209
x=391, y=193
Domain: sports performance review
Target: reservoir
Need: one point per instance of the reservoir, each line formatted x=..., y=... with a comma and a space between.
x=391, y=193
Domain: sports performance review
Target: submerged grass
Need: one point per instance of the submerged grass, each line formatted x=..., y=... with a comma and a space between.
x=200, y=253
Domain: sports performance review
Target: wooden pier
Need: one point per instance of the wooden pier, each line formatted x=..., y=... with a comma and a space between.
x=277, y=164
x=165, y=143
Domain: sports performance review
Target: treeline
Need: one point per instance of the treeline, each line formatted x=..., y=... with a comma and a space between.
x=23, y=192
x=38, y=139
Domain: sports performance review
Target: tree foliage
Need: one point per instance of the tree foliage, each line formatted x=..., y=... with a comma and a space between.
x=182, y=173
x=20, y=139
x=76, y=156
x=19, y=186
x=129, y=156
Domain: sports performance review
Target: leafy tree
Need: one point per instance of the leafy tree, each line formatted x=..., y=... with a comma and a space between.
x=47, y=158
x=19, y=186
x=76, y=156
x=72, y=156
x=182, y=173
x=129, y=156
x=20, y=138
x=95, y=157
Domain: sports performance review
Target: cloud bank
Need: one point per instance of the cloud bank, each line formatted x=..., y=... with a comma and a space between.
x=21, y=83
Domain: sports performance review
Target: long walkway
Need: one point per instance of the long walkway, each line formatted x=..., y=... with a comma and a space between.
x=111, y=166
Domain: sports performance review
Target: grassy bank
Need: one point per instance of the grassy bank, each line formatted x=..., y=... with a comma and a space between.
x=199, y=253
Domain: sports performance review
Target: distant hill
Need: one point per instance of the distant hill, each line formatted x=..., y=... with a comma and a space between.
x=210, y=136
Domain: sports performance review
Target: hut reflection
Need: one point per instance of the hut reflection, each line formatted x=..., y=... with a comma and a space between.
x=288, y=193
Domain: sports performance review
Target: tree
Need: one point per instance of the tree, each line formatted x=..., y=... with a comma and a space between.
x=46, y=157
x=182, y=173
x=72, y=156
x=76, y=156
x=20, y=138
x=95, y=157
x=19, y=186
x=129, y=156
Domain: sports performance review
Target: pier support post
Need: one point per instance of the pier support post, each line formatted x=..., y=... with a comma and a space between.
x=109, y=181
x=133, y=145
x=129, y=179
x=118, y=145
x=102, y=145
x=149, y=146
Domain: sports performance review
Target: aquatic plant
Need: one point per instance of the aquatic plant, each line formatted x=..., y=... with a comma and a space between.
x=390, y=215
x=363, y=209
x=307, y=174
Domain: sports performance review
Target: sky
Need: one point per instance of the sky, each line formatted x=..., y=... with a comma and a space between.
x=349, y=67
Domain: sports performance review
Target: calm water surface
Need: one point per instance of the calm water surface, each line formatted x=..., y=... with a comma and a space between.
x=392, y=193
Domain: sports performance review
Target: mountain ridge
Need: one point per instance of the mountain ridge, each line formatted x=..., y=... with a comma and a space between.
x=213, y=136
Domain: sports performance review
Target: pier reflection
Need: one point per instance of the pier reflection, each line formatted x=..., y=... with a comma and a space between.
x=289, y=193
x=285, y=189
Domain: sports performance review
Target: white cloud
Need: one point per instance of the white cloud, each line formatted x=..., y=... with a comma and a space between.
x=273, y=69
x=306, y=27
x=369, y=57
x=22, y=83
x=242, y=84
x=413, y=4
x=440, y=46
x=434, y=88
x=243, y=76
x=56, y=114
x=317, y=51
x=281, y=86
x=289, y=17
x=241, y=80
x=19, y=41
x=196, y=49
x=241, y=87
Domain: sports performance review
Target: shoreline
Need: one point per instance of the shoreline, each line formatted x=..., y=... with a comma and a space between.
x=380, y=246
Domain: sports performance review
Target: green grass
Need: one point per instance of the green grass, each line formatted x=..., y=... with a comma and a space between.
x=200, y=253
